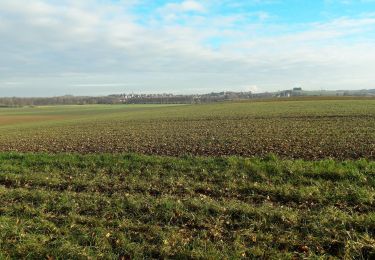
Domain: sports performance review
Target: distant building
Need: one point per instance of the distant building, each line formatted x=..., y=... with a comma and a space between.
x=297, y=89
x=286, y=93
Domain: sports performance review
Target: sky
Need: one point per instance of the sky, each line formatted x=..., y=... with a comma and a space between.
x=101, y=47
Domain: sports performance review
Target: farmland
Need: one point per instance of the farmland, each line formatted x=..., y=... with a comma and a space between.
x=133, y=206
x=271, y=180
x=342, y=129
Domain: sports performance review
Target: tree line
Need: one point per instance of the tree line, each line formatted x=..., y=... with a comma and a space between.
x=63, y=100
x=123, y=99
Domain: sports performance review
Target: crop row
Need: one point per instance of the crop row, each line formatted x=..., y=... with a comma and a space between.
x=290, y=129
x=307, y=138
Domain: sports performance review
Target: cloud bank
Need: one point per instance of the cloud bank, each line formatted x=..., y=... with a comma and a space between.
x=101, y=47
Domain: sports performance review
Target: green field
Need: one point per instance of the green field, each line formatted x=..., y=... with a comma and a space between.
x=132, y=206
x=270, y=180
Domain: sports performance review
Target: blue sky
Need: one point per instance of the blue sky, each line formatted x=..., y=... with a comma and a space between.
x=98, y=47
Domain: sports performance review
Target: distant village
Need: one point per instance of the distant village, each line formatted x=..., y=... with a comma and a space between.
x=231, y=95
x=134, y=98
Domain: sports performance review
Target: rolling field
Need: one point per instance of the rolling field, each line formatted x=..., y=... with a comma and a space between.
x=342, y=129
x=270, y=180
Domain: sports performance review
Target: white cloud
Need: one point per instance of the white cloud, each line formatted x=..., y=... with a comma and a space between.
x=184, y=6
x=190, y=5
